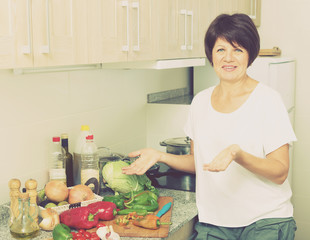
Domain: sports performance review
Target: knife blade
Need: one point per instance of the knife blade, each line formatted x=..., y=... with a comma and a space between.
x=164, y=209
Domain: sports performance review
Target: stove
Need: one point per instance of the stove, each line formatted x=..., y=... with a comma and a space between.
x=163, y=176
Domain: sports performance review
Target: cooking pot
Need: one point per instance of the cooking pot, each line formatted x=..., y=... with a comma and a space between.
x=177, y=146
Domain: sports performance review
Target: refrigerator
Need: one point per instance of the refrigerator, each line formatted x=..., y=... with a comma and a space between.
x=277, y=72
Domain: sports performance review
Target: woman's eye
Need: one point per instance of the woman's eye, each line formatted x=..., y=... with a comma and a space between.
x=238, y=50
x=220, y=50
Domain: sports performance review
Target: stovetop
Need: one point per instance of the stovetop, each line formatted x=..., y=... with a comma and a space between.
x=172, y=179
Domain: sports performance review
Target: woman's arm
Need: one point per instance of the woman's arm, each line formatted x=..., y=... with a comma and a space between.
x=274, y=167
x=148, y=157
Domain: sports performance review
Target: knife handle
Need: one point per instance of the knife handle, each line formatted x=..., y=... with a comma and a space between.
x=164, y=209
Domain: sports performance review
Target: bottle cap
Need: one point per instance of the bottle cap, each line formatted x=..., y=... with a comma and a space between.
x=56, y=139
x=90, y=137
x=64, y=136
x=84, y=128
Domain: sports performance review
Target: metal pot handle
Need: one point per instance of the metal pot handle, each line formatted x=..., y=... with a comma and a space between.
x=163, y=143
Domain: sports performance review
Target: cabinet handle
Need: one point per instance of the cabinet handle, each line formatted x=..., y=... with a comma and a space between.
x=191, y=14
x=253, y=9
x=135, y=5
x=183, y=12
x=26, y=49
x=125, y=48
x=46, y=48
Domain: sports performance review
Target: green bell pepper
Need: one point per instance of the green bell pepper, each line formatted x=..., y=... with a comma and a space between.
x=116, y=199
x=151, y=205
x=62, y=232
x=140, y=212
x=145, y=200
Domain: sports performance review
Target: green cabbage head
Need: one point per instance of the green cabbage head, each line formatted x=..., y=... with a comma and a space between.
x=122, y=183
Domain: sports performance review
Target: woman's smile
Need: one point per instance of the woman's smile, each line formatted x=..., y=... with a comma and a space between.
x=229, y=68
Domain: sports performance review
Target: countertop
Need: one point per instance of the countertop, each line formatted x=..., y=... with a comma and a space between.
x=184, y=209
x=183, y=100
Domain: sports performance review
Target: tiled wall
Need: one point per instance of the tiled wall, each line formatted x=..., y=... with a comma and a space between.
x=34, y=107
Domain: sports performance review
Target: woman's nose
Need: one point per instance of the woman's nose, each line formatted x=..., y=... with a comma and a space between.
x=228, y=55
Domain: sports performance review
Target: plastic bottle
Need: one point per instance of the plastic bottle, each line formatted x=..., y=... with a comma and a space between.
x=81, y=140
x=90, y=164
x=57, y=167
x=68, y=159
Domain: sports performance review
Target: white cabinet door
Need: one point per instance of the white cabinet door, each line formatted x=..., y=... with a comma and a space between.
x=142, y=30
x=15, y=33
x=107, y=29
x=59, y=32
x=37, y=33
x=121, y=30
x=179, y=29
x=251, y=8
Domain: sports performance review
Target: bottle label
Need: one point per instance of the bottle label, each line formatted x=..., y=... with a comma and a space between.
x=90, y=177
x=58, y=174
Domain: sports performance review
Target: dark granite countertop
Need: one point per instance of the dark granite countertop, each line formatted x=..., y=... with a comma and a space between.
x=182, y=100
x=184, y=209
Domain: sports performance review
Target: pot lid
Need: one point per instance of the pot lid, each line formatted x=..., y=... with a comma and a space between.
x=177, y=142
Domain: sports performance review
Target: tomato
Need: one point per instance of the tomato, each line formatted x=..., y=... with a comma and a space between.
x=81, y=238
x=94, y=234
x=82, y=231
x=94, y=238
x=87, y=235
x=100, y=225
x=78, y=235
x=74, y=235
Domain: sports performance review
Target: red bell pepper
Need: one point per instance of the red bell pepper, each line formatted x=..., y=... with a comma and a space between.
x=104, y=210
x=79, y=218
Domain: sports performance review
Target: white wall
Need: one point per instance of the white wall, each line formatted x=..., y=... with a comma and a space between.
x=286, y=23
x=35, y=107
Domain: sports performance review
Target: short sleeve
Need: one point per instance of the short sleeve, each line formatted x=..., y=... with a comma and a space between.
x=188, y=128
x=278, y=129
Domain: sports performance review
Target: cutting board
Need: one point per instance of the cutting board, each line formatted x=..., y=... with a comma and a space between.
x=133, y=231
x=275, y=51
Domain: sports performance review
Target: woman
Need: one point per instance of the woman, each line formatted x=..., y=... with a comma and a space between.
x=240, y=134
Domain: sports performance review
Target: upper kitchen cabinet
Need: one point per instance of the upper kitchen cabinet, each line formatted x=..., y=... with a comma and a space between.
x=39, y=33
x=179, y=29
x=251, y=8
x=7, y=34
x=59, y=32
x=207, y=13
x=121, y=31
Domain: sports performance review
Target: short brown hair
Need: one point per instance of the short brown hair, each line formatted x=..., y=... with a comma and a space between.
x=236, y=29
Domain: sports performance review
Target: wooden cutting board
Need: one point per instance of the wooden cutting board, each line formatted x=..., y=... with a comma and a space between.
x=133, y=231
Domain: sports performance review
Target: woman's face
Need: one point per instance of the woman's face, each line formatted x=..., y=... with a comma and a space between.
x=230, y=63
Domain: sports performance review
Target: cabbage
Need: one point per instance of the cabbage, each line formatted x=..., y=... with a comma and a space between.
x=123, y=183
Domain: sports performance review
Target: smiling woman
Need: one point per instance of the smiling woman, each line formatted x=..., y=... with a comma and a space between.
x=240, y=134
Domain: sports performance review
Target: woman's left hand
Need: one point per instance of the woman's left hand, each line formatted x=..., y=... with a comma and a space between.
x=223, y=159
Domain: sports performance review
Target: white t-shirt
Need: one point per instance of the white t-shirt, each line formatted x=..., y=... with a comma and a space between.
x=236, y=197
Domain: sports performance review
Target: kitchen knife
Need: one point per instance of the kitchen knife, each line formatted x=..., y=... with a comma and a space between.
x=164, y=209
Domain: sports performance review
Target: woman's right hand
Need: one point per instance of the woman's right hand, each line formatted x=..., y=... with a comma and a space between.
x=146, y=159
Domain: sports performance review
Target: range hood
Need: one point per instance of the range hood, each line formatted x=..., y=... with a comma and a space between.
x=158, y=64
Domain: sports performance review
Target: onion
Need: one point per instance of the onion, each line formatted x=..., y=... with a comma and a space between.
x=56, y=191
x=80, y=193
x=50, y=219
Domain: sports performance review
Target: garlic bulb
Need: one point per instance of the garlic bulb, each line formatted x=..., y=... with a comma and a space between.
x=107, y=233
x=50, y=219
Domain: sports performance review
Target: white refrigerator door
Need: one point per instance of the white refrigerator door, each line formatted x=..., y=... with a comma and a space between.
x=278, y=73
